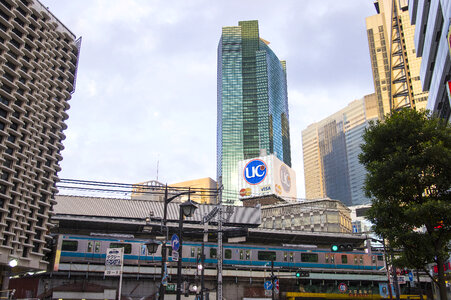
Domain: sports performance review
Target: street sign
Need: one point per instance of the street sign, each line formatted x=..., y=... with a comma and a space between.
x=268, y=292
x=410, y=276
x=210, y=215
x=342, y=287
x=112, y=272
x=171, y=287
x=276, y=285
x=175, y=242
x=175, y=255
x=113, y=260
x=114, y=256
x=268, y=285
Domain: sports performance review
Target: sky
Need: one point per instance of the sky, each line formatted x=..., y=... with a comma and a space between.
x=145, y=100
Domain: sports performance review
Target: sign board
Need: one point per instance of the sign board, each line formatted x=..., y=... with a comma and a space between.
x=401, y=279
x=210, y=215
x=175, y=242
x=112, y=272
x=265, y=175
x=410, y=276
x=114, y=258
x=171, y=287
x=175, y=255
x=342, y=287
x=276, y=285
x=268, y=292
x=268, y=285
x=237, y=239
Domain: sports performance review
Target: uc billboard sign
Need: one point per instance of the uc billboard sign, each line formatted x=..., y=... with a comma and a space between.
x=266, y=175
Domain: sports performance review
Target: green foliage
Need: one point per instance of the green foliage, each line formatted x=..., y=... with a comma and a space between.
x=408, y=159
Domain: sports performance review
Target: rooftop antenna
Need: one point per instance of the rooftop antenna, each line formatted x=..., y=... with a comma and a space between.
x=158, y=163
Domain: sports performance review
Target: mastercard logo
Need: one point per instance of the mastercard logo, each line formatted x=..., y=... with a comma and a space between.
x=245, y=192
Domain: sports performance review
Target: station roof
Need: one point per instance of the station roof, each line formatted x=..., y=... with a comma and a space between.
x=84, y=215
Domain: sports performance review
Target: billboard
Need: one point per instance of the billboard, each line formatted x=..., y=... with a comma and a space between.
x=266, y=175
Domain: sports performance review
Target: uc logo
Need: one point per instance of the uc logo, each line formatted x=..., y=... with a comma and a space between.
x=255, y=171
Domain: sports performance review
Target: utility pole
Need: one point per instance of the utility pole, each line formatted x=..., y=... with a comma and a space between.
x=163, y=245
x=272, y=280
x=219, y=289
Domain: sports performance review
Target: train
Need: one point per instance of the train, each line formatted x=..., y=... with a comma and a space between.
x=92, y=249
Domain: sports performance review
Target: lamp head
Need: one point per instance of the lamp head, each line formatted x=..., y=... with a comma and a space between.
x=152, y=246
x=188, y=208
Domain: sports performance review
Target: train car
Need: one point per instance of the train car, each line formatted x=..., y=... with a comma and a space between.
x=74, y=248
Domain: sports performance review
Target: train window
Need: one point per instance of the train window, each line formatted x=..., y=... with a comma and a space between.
x=127, y=247
x=327, y=258
x=285, y=256
x=291, y=256
x=332, y=259
x=344, y=259
x=228, y=254
x=97, y=247
x=356, y=259
x=89, y=248
x=241, y=254
x=309, y=257
x=213, y=253
x=199, y=251
x=192, y=251
x=69, y=246
x=248, y=254
x=380, y=258
x=143, y=250
x=373, y=259
x=361, y=259
x=266, y=255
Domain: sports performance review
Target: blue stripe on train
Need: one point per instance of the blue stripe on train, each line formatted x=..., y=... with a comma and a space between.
x=226, y=261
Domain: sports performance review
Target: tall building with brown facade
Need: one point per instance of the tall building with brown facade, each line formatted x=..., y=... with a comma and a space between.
x=38, y=56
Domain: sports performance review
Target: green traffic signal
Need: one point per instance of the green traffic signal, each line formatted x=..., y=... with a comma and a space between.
x=298, y=274
x=334, y=248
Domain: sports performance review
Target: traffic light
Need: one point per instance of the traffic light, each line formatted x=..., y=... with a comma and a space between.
x=341, y=247
x=301, y=273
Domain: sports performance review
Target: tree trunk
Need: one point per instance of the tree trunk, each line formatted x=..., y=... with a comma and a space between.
x=441, y=278
x=419, y=285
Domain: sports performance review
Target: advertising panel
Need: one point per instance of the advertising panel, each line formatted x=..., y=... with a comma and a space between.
x=265, y=175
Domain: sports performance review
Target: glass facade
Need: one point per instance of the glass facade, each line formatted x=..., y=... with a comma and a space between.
x=331, y=149
x=252, y=104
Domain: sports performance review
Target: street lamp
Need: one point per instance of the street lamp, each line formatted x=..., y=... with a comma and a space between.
x=163, y=246
x=152, y=246
x=186, y=209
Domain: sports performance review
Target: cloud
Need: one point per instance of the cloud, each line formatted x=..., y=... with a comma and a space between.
x=146, y=88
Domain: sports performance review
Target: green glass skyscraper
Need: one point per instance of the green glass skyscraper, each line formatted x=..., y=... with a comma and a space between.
x=252, y=104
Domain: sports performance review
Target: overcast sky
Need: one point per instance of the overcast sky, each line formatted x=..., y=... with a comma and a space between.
x=146, y=84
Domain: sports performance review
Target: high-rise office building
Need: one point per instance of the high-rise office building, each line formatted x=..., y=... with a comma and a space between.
x=432, y=41
x=252, y=104
x=395, y=65
x=38, y=56
x=331, y=148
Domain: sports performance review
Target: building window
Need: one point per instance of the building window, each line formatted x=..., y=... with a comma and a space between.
x=127, y=247
x=309, y=257
x=268, y=255
x=344, y=259
x=89, y=248
x=228, y=254
x=213, y=253
x=69, y=246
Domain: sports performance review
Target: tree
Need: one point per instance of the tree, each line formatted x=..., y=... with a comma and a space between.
x=408, y=162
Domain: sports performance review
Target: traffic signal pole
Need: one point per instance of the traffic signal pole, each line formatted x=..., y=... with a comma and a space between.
x=272, y=279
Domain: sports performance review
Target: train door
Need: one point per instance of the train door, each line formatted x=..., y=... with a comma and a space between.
x=92, y=251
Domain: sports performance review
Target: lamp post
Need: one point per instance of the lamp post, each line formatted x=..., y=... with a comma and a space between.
x=186, y=209
x=163, y=246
